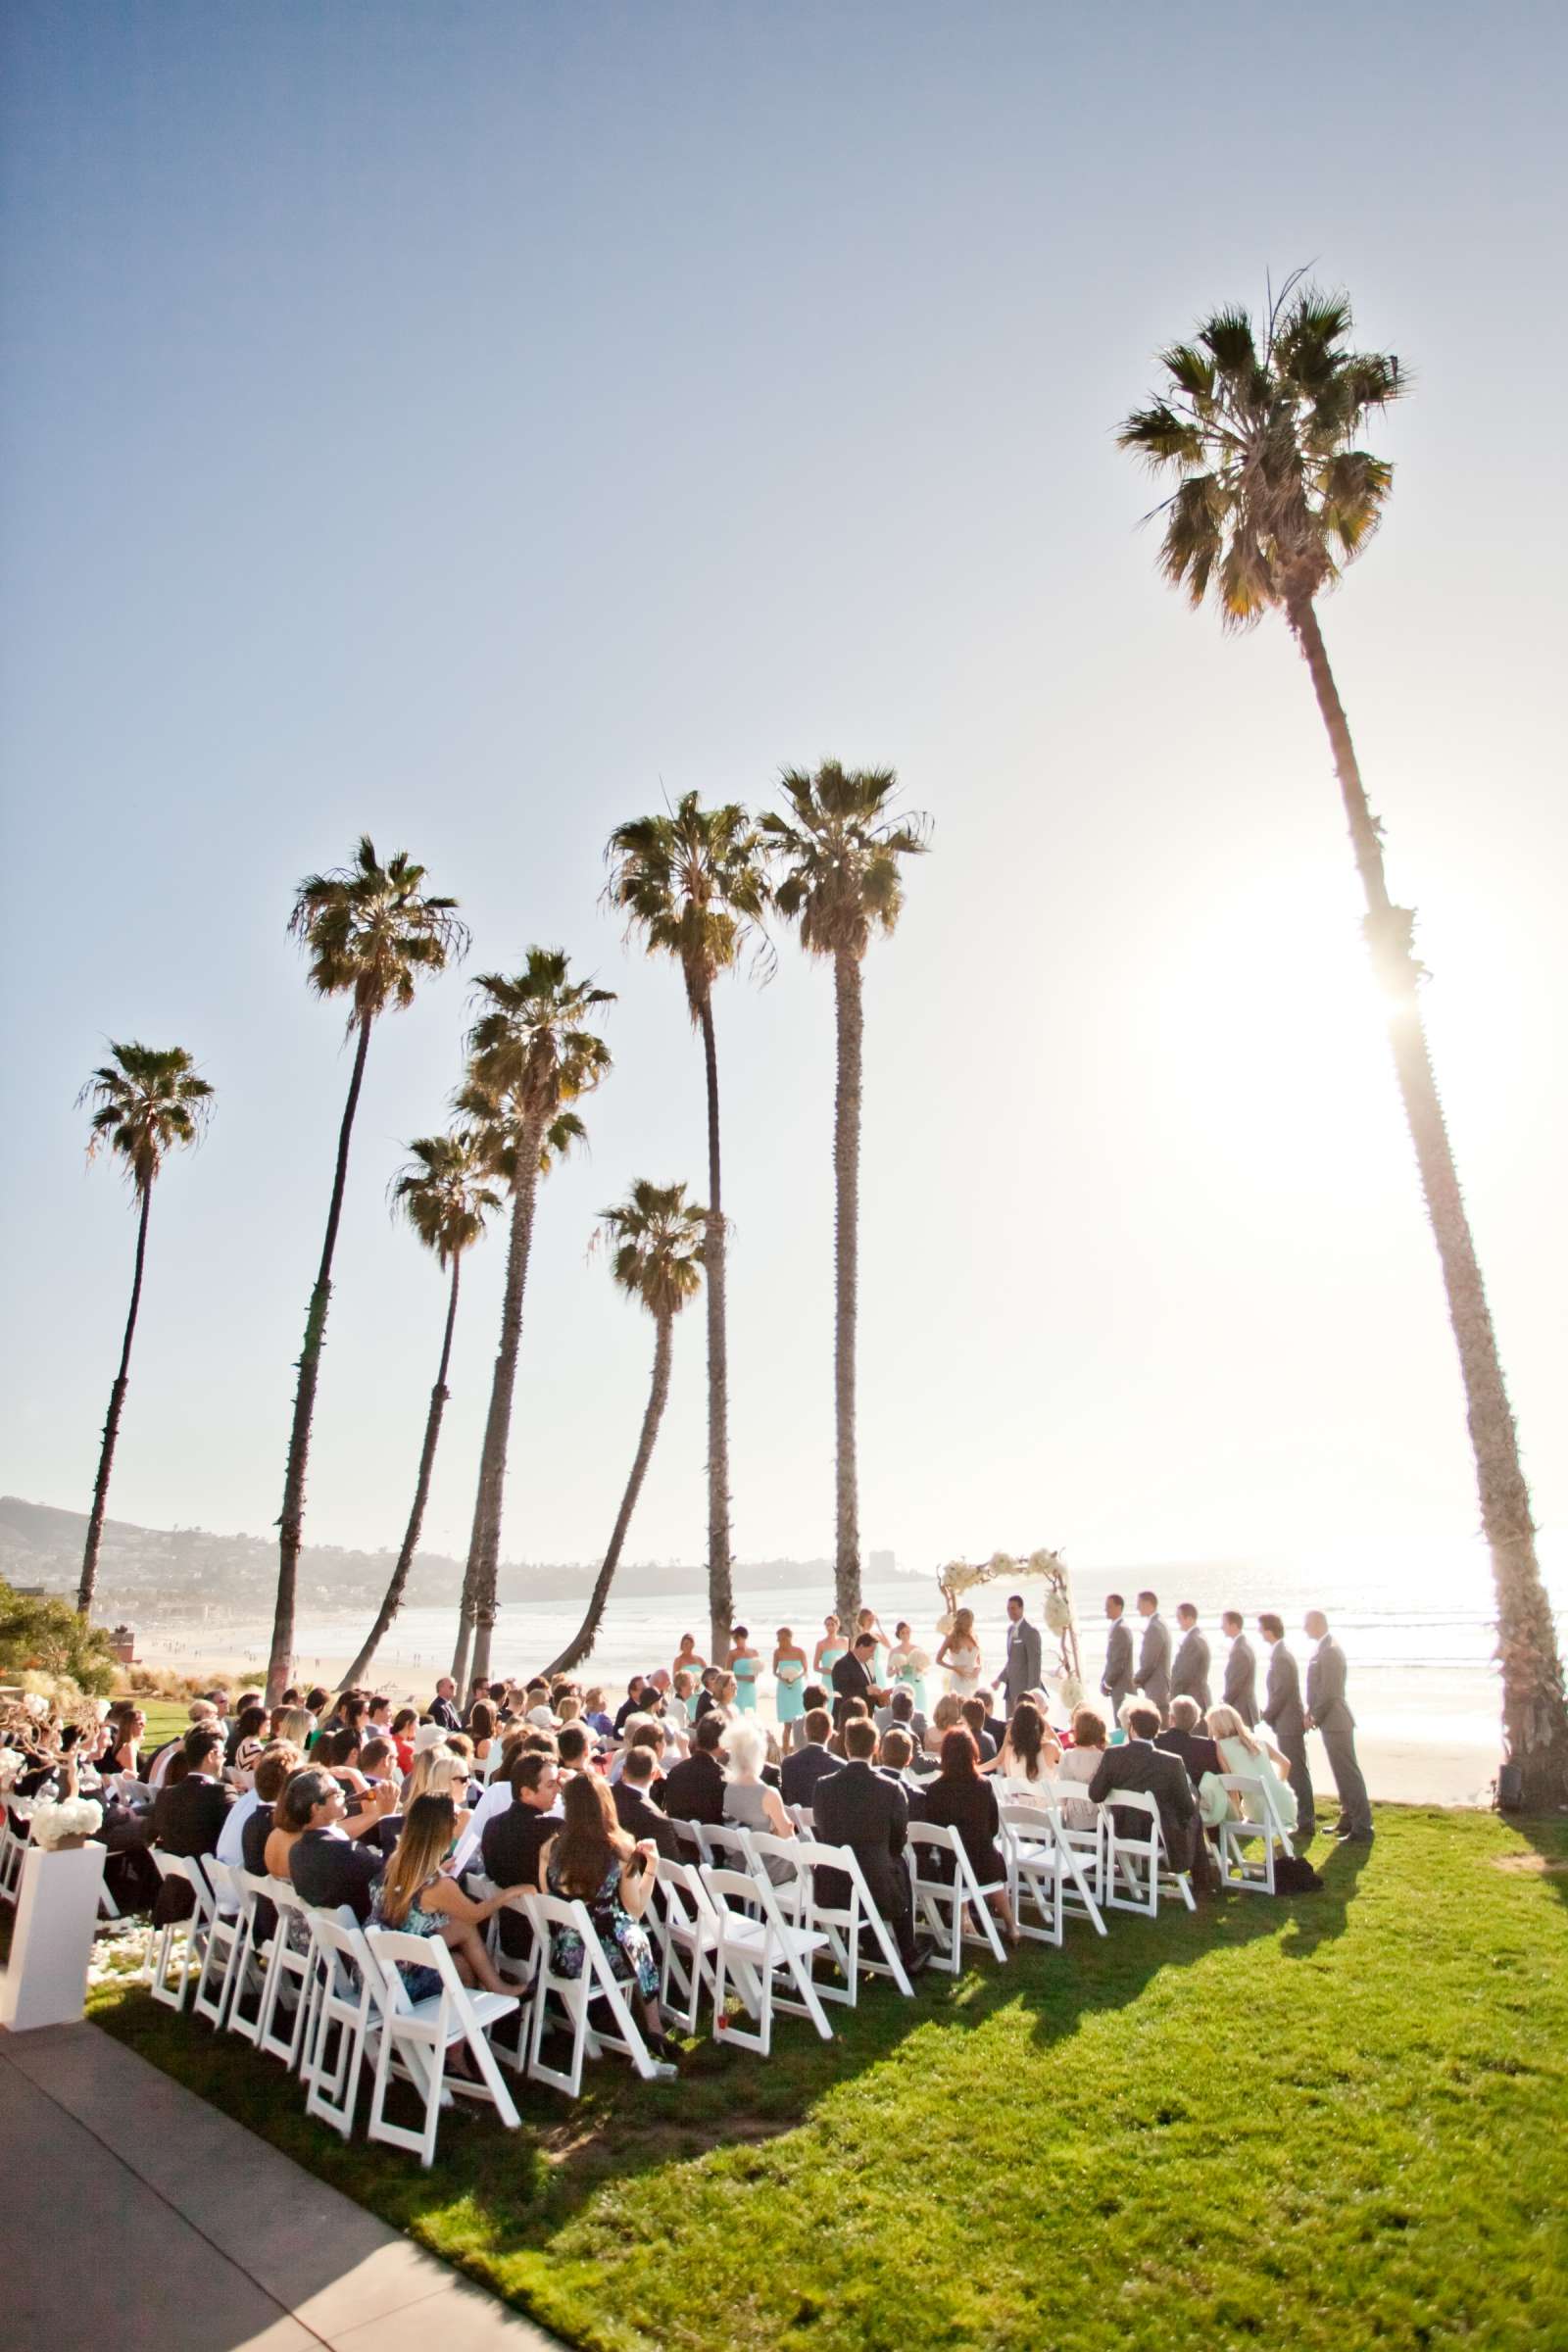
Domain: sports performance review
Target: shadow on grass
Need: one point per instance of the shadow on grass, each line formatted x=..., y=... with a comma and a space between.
x=1546, y=1836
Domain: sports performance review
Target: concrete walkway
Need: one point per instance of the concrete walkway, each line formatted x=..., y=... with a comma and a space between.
x=136, y=2215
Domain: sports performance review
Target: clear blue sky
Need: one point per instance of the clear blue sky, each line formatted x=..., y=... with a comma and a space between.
x=464, y=423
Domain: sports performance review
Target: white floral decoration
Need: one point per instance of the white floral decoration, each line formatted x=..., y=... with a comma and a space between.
x=72, y=1817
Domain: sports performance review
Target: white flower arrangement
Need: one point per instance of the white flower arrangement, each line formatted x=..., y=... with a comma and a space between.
x=917, y=1662
x=62, y=1824
x=12, y=1764
x=1001, y=1563
x=1057, y=1612
x=1072, y=1692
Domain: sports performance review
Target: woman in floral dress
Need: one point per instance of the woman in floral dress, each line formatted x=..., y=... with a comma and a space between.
x=592, y=1860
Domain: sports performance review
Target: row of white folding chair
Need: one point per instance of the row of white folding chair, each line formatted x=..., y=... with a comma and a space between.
x=948, y=1896
x=1138, y=1867
x=797, y=1892
x=1046, y=1874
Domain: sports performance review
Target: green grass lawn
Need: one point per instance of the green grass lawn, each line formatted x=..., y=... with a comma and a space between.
x=1335, y=2122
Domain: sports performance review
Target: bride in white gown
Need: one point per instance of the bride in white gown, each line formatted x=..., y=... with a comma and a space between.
x=960, y=1655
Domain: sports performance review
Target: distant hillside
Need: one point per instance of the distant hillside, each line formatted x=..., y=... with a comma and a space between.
x=147, y=1573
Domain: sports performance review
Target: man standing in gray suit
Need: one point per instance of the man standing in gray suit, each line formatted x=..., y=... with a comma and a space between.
x=1241, y=1669
x=1116, y=1683
x=1328, y=1713
x=1153, y=1655
x=1188, y=1675
x=1021, y=1672
x=1284, y=1715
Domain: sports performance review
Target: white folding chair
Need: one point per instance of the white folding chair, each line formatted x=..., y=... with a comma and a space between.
x=228, y=1942
x=289, y=1961
x=1137, y=1866
x=946, y=1892
x=575, y=1994
x=412, y=2039
x=687, y=1837
x=1046, y=1876
x=176, y=1951
x=800, y=1815
x=845, y=1923
x=517, y=1971
x=256, y=1955
x=727, y=1846
x=1085, y=1841
x=685, y=1929
x=754, y=1954
x=347, y=1999
x=1257, y=1823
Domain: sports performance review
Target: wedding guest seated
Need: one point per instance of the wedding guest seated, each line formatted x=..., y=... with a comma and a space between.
x=959, y=1799
x=976, y=1717
x=854, y=1710
x=1140, y=1765
x=591, y=1860
x=338, y=1752
x=805, y=1766
x=378, y=1719
x=497, y=1798
x=272, y=1768
x=244, y=1742
x=694, y=1788
x=632, y=1703
x=644, y=1734
x=292, y=1724
x=1185, y=1740
x=574, y=1747
x=328, y=1867
x=442, y=1710
x=128, y=1729
x=749, y=1803
x=857, y=1808
x=514, y=1838
x=415, y=1895
x=900, y=1710
x=895, y=1757
x=594, y=1714
x=188, y=1817
x=1250, y=1755
x=483, y=1727
x=635, y=1809
x=685, y=1693
x=1030, y=1749
x=706, y=1699
x=1081, y=1762
x=379, y=1764
x=199, y=1713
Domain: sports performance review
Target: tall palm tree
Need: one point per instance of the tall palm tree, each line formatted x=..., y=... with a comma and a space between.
x=657, y=1237
x=694, y=884
x=443, y=1196
x=1272, y=497
x=145, y=1102
x=531, y=1056
x=371, y=932
x=842, y=854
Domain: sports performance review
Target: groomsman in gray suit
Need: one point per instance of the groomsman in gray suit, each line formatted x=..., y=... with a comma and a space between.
x=1116, y=1683
x=1153, y=1655
x=1328, y=1712
x=1241, y=1669
x=1286, y=1717
x=1021, y=1672
x=1189, y=1674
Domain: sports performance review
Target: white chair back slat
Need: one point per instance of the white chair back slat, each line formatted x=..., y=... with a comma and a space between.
x=574, y=1993
x=413, y=2038
x=944, y=1898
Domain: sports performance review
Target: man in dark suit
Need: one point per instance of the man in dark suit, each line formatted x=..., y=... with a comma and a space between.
x=851, y=1676
x=1328, y=1711
x=1116, y=1683
x=635, y=1809
x=857, y=1808
x=188, y=1817
x=694, y=1788
x=328, y=1867
x=1020, y=1673
x=1241, y=1669
x=1184, y=1738
x=632, y=1703
x=1140, y=1765
x=805, y=1766
x=443, y=1707
x=1189, y=1674
x=1286, y=1717
x=514, y=1840
x=1153, y=1655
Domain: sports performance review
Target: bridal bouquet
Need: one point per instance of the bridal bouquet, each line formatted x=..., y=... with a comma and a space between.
x=917, y=1662
x=71, y=1821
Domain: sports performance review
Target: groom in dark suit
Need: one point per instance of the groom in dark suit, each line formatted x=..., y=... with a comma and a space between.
x=1021, y=1673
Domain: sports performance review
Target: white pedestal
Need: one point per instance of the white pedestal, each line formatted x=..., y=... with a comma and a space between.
x=45, y=1980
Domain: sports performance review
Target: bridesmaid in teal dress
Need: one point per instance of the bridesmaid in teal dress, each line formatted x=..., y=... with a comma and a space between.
x=902, y=1671
x=744, y=1664
x=829, y=1649
x=789, y=1673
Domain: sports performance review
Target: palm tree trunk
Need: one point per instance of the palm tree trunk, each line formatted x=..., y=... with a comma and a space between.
x=117, y=1399
x=478, y=1612
x=721, y=1572
x=1535, y=1714
x=845, y=1229
x=582, y=1640
x=422, y=1494
x=291, y=1521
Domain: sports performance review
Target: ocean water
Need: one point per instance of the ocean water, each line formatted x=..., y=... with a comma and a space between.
x=1422, y=1681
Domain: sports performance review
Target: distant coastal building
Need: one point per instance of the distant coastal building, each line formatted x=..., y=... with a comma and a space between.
x=122, y=1641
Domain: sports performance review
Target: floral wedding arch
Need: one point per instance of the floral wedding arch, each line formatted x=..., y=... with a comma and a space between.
x=960, y=1577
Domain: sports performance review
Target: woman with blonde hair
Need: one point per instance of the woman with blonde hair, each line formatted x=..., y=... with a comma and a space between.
x=292, y=1724
x=960, y=1655
x=415, y=1895
x=1247, y=1755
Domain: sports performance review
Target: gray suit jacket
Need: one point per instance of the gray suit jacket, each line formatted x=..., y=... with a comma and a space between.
x=1325, y=1687
x=1189, y=1676
x=1153, y=1663
x=1240, y=1680
x=1282, y=1701
x=1116, y=1683
x=1021, y=1672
